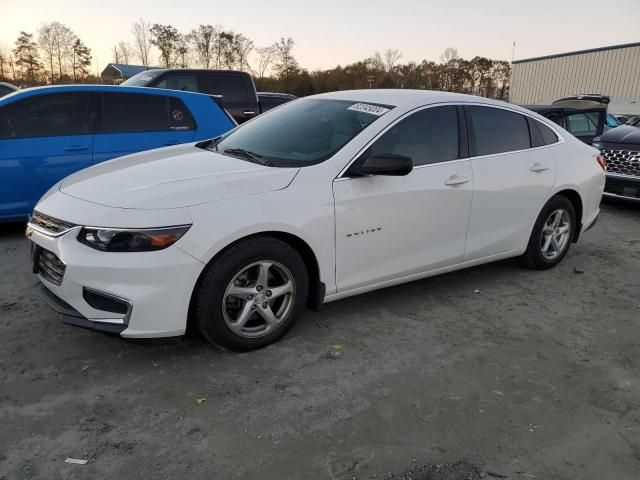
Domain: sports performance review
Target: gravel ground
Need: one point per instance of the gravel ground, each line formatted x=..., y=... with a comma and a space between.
x=492, y=372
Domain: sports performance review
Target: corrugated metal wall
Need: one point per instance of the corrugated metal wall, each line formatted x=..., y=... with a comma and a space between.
x=614, y=72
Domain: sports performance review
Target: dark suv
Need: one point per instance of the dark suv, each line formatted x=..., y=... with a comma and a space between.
x=237, y=89
x=621, y=148
x=584, y=116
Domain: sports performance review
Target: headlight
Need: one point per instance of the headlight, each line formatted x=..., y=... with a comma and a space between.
x=125, y=240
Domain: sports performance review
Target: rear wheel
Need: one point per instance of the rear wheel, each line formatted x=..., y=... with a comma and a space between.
x=552, y=234
x=250, y=296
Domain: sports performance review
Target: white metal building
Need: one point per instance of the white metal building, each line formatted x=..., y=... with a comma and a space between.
x=613, y=71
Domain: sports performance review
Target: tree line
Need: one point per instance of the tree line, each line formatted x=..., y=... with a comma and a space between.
x=56, y=55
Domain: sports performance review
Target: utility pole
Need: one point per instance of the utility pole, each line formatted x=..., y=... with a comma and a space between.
x=513, y=52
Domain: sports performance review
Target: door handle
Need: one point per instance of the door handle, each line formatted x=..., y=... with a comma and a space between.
x=538, y=167
x=455, y=180
x=249, y=113
x=75, y=148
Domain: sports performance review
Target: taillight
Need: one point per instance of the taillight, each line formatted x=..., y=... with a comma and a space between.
x=602, y=161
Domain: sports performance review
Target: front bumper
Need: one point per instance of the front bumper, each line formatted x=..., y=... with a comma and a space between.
x=157, y=286
x=622, y=186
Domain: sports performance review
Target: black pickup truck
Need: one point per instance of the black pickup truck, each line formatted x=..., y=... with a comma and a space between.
x=239, y=96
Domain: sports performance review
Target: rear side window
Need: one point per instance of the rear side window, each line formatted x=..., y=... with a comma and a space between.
x=428, y=136
x=130, y=112
x=232, y=88
x=183, y=82
x=268, y=103
x=582, y=124
x=496, y=131
x=50, y=115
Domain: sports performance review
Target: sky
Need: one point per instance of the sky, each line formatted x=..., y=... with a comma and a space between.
x=332, y=32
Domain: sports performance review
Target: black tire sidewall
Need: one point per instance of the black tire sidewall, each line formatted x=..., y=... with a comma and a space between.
x=534, y=257
x=218, y=274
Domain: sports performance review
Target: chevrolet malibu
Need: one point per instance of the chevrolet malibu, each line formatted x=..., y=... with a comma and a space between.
x=323, y=198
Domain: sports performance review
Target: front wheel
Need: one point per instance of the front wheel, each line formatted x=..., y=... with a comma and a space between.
x=250, y=296
x=552, y=234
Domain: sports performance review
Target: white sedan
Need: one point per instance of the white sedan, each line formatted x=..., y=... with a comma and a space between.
x=322, y=198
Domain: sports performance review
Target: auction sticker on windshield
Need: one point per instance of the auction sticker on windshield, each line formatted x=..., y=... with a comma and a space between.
x=368, y=108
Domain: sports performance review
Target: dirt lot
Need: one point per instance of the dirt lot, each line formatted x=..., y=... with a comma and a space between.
x=535, y=376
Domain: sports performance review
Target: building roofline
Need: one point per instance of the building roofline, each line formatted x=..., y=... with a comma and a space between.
x=577, y=52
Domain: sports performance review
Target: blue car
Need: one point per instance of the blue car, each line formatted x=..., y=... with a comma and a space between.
x=47, y=133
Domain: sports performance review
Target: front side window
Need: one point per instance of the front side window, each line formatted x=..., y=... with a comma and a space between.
x=131, y=112
x=495, y=130
x=183, y=82
x=303, y=132
x=582, y=124
x=49, y=115
x=428, y=136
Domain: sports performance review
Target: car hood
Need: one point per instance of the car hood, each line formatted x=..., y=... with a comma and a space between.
x=173, y=177
x=622, y=134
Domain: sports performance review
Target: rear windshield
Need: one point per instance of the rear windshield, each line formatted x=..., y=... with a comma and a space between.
x=303, y=132
x=143, y=79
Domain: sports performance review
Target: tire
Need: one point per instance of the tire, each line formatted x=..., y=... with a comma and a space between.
x=546, y=225
x=232, y=308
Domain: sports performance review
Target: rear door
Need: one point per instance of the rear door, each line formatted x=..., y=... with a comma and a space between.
x=511, y=179
x=238, y=93
x=133, y=122
x=43, y=138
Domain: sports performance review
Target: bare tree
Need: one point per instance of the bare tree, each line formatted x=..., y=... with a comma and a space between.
x=391, y=57
x=243, y=47
x=449, y=54
x=182, y=52
x=202, y=40
x=116, y=54
x=47, y=44
x=142, y=39
x=126, y=52
x=63, y=47
x=4, y=63
x=265, y=59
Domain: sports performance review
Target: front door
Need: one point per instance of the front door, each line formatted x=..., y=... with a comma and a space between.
x=43, y=138
x=391, y=227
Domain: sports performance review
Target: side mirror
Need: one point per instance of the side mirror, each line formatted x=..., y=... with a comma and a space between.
x=382, y=164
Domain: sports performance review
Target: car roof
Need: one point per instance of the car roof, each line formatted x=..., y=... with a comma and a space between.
x=407, y=98
x=196, y=70
x=27, y=92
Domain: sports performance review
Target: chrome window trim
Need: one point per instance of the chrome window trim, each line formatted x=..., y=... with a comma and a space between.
x=341, y=176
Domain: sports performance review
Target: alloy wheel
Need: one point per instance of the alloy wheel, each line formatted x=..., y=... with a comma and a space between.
x=555, y=234
x=258, y=299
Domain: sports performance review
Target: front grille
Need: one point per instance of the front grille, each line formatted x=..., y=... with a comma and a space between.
x=623, y=162
x=50, y=267
x=50, y=224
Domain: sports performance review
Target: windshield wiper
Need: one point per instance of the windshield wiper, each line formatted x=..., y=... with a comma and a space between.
x=251, y=156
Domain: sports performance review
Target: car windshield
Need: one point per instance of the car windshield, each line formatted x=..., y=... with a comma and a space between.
x=142, y=79
x=299, y=133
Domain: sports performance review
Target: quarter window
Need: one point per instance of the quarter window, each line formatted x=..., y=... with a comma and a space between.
x=548, y=136
x=496, y=131
x=51, y=115
x=428, y=136
x=130, y=112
